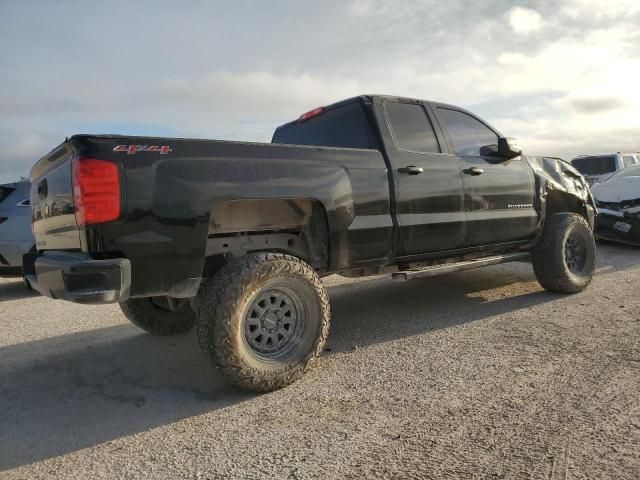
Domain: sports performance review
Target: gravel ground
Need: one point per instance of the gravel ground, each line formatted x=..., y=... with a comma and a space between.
x=478, y=374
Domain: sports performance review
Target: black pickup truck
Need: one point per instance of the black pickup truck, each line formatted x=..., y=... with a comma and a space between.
x=233, y=237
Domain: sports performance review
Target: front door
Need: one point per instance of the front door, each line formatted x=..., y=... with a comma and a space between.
x=429, y=210
x=498, y=193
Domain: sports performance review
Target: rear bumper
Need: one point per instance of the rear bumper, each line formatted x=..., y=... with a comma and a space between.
x=77, y=277
x=606, y=227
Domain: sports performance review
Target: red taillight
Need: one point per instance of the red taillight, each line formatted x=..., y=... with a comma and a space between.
x=311, y=113
x=96, y=191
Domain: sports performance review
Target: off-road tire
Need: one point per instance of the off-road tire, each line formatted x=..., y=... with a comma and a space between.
x=225, y=302
x=549, y=256
x=143, y=313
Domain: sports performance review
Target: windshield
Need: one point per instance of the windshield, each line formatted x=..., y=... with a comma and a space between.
x=632, y=171
x=598, y=165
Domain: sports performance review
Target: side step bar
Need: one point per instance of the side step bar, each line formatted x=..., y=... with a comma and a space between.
x=405, y=275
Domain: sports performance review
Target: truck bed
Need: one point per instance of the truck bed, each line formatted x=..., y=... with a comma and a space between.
x=170, y=187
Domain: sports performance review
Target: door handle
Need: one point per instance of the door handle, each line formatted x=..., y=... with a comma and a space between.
x=473, y=171
x=411, y=170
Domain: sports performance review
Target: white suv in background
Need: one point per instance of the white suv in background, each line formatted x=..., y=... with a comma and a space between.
x=595, y=168
x=16, y=238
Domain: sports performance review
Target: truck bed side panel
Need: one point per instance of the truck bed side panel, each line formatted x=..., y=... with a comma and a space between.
x=169, y=200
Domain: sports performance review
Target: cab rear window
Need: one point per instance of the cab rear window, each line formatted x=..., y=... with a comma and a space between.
x=345, y=126
x=596, y=165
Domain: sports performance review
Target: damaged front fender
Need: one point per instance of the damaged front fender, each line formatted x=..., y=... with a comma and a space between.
x=561, y=188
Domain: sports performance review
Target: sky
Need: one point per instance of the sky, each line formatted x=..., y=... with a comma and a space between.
x=562, y=76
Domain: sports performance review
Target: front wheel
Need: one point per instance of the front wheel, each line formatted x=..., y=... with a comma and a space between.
x=263, y=319
x=565, y=256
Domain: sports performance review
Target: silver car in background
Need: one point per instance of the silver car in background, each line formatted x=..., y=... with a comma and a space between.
x=618, y=202
x=597, y=168
x=16, y=238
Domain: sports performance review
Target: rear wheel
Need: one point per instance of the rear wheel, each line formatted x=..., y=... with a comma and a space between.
x=159, y=315
x=263, y=319
x=565, y=256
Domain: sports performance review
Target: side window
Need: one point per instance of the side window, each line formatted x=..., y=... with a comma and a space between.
x=627, y=160
x=411, y=127
x=468, y=135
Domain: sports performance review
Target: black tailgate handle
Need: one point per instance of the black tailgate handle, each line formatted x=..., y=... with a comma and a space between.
x=411, y=170
x=43, y=189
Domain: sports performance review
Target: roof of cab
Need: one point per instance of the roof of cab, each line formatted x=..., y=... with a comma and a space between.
x=369, y=98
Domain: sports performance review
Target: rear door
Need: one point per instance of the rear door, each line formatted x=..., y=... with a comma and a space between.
x=498, y=194
x=428, y=188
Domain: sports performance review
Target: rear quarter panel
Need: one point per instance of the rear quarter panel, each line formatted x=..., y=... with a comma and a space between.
x=169, y=199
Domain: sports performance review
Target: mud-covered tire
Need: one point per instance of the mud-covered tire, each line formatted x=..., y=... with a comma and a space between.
x=147, y=314
x=556, y=265
x=244, y=301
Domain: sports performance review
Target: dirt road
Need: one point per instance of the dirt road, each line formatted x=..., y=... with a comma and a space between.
x=475, y=374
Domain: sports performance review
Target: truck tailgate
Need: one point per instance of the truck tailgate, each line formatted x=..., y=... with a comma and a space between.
x=53, y=211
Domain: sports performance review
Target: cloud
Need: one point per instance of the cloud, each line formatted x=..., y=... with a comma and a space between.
x=237, y=70
x=265, y=92
x=598, y=9
x=524, y=20
x=21, y=149
x=597, y=105
x=361, y=8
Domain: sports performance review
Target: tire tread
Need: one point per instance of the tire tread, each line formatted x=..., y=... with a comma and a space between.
x=219, y=303
x=547, y=257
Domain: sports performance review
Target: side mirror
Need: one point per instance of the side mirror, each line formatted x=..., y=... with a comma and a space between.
x=508, y=148
x=489, y=151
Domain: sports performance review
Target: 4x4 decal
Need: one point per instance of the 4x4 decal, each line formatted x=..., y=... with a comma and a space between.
x=133, y=149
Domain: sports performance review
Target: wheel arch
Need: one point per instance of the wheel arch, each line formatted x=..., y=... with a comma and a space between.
x=294, y=226
x=558, y=201
x=561, y=188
